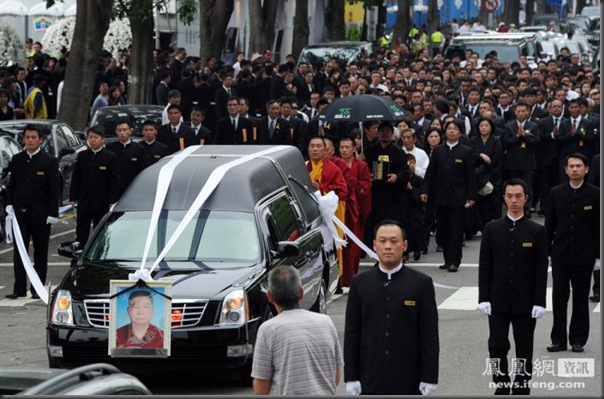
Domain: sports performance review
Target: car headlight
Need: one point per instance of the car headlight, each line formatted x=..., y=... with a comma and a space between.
x=234, y=308
x=62, y=309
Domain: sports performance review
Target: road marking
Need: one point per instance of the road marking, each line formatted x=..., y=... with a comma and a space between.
x=20, y=302
x=10, y=264
x=52, y=236
x=597, y=308
x=466, y=298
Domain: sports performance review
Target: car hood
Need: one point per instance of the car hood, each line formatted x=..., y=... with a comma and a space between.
x=190, y=280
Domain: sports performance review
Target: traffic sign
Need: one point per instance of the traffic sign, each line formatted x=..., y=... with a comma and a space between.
x=490, y=5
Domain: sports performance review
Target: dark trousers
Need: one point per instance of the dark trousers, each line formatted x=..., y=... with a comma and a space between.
x=596, y=287
x=579, y=276
x=548, y=178
x=523, y=329
x=39, y=234
x=83, y=225
x=450, y=224
x=527, y=176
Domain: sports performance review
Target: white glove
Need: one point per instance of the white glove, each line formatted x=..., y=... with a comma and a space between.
x=9, y=210
x=51, y=220
x=549, y=263
x=427, y=389
x=597, y=264
x=538, y=312
x=8, y=228
x=485, y=307
x=353, y=387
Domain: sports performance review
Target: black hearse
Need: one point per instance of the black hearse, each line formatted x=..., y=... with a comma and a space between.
x=260, y=215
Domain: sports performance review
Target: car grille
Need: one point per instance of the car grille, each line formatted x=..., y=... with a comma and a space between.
x=186, y=313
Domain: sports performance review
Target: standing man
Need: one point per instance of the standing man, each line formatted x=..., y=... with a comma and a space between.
x=512, y=282
x=451, y=180
x=175, y=134
x=35, y=104
x=153, y=148
x=95, y=185
x=33, y=198
x=273, y=129
x=233, y=129
x=298, y=351
x=572, y=223
x=391, y=334
x=131, y=156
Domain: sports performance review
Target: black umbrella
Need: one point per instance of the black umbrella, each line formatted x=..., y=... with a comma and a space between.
x=360, y=108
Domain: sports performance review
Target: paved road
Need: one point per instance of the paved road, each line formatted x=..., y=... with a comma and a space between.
x=463, y=334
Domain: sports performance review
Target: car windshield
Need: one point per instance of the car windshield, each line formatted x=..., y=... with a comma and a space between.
x=212, y=236
x=505, y=52
x=312, y=56
x=108, y=116
x=15, y=130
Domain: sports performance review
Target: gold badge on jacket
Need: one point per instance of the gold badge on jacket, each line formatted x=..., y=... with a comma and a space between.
x=587, y=208
x=409, y=303
x=133, y=159
x=527, y=245
x=458, y=160
x=40, y=173
x=102, y=167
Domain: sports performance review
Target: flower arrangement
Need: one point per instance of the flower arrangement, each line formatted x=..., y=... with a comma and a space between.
x=12, y=50
x=59, y=35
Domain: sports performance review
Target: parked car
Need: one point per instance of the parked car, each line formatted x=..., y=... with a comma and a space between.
x=260, y=215
x=593, y=32
x=591, y=11
x=508, y=49
x=93, y=379
x=8, y=148
x=60, y=140
x=344, y=51
x=136, y=114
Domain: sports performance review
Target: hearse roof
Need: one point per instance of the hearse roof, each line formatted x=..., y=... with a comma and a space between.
x=241, y=188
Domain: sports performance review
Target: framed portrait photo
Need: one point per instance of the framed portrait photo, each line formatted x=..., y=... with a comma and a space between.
x=139, y=323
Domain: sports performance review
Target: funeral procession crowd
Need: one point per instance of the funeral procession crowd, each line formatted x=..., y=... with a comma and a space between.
x=483, y=148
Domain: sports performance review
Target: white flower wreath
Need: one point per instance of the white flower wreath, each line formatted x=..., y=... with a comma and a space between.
x=12, y=49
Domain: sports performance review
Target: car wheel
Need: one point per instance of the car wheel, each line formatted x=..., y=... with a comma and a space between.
x=320, y=305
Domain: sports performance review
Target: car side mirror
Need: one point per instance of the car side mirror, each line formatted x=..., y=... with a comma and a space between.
x=70, y=249
x=286, y=249
x=66, y=151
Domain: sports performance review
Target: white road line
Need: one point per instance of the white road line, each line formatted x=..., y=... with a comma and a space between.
x=597, y=308
x=64, y=233
x=10, y=264
x=20, y=302
x=466, y=298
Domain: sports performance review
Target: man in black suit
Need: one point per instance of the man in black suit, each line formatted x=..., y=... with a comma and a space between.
x=391, y=342
x=520, y=142
x=298, y=126
x=504, y=109
x=95, y=184
x=131, y=156
x=547, y=152
x=223, y=93
x=202, y=134
x=529, y=95
x=512, y=282
x=471, y=108
x=234, y=129
x=175, y=134
x=32, y=198
x=451, y=181
x=593, y=177
x=572, y=223
x=153, y=148
x=273, y=129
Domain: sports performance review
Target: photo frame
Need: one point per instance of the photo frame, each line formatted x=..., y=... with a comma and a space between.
x=140, y=322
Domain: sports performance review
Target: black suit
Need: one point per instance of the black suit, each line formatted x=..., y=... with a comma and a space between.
x=132, y=159
x=507, y=115
x=450, y=181
x=281, y=133
x=537, y=113
x=227, y=134
x=512, y=276
x=572, y=223
x=520, y=159
x=221, y=97
x=594, y=178
x=184, y=137
x=547, y=157
x=95, y=185
x=155, y=151
x=34, y=192
x=299, y=133
x=391, y=332
x=582, y=141
x=202, y=134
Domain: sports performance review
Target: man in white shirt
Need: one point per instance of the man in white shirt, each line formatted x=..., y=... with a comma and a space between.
x=421, y=158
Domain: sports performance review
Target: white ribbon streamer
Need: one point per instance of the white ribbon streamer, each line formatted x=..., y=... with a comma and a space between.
x=29, y=267
x=8, y=228
x=213, y=180
x=328, y=204
x=161, y=191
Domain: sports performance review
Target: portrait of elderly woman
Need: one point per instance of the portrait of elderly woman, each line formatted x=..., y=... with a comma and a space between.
x=140, y=333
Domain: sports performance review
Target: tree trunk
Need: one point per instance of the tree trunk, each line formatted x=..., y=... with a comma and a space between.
x=301, y=28
x=530, y=12
x=262, y=30
x=511, y=11
x=433, y=16
x=403, y=21
x=140, y=73
x=334, y=20
x=92, y=22
x=213, y=21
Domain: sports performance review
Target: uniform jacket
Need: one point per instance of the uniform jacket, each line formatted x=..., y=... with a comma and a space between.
x=512, y=268
x=582, y=141
x=132, y=159
x=281, y=135
x=34, y=186
x=226, y=134
x=391, y=333
x=96, y=181
x=548, y=145
x=173, y=141
x=572, y=223
x=488, y=172
x=155, y=151
x=520, y=151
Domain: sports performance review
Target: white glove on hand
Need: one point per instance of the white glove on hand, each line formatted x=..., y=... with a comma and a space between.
x=353, y=387
x=597, y=264
x=485, y=307
x=8, y=227
x=9, y=210
x=538, y=312
x=427, y=389
x=549, y=263
x=51, y=220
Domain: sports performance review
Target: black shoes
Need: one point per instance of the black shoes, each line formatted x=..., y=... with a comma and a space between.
x=443, y=267
x=417, y=256
x=557, y=348
x=453, y=268
x=578, y=348
x=439, y=248
x=595, y=298
x=34, y=295
x=14, y=295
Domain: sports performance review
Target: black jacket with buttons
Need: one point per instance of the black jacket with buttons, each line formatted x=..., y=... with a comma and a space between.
x=132, y=160
x=95, y=183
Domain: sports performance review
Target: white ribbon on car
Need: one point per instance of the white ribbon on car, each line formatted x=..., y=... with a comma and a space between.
x=327, y=209
x=164, y=178
x=213, y=180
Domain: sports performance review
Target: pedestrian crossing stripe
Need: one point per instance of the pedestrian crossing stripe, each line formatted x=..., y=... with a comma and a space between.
x=20, y=302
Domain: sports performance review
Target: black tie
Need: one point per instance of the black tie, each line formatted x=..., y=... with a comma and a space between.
x=555, y=122
x=174, y=130
x=234, y=124
x=271, y=128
